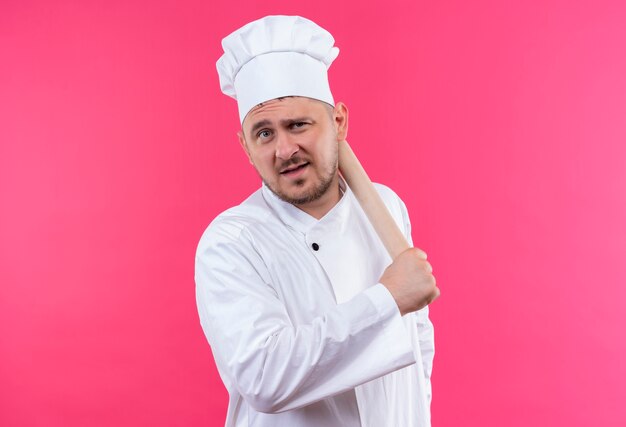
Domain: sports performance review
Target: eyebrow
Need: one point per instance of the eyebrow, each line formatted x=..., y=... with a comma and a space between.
x=258, y=125
x=287, y=122
x=284, y=122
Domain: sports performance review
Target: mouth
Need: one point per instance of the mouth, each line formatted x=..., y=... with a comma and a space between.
x=294, y=169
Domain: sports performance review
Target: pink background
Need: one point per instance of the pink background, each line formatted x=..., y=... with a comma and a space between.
x=501, y=124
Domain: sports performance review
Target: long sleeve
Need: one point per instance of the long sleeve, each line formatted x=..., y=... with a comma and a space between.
x=274, y=364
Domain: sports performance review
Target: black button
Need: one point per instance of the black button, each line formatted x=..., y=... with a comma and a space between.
x=315, y=246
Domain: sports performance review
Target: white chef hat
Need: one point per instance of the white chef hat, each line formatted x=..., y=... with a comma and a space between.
x=276, y=56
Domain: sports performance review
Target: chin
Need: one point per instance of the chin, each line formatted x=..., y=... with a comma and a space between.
x=310, y=194
x=302, y=191
x=300, y=197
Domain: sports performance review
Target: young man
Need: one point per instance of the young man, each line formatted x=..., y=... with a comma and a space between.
x=309, y=320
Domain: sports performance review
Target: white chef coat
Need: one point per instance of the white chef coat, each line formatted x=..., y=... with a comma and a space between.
x=305, y=337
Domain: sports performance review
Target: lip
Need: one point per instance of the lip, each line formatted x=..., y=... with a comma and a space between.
x=295, y=170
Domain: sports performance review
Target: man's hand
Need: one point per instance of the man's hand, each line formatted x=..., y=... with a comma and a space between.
x=410, y=280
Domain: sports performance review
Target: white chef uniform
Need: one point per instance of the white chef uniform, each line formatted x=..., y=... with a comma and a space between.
x=305, y=337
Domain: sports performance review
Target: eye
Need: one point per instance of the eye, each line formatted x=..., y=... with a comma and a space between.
x=264, y=134
x=298, y=125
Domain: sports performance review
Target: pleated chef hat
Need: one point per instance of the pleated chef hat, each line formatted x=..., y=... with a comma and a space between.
x=276, y=56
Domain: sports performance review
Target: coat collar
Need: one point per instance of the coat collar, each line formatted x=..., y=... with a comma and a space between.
x=302, y=221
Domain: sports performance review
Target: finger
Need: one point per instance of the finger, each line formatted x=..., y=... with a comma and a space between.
x=420, y=253
x=424, y=265
x=436, y=294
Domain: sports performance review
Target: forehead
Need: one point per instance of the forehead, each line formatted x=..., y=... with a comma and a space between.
x=282, y=109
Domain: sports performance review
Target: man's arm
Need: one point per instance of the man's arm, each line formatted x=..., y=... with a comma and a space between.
x=274, y=364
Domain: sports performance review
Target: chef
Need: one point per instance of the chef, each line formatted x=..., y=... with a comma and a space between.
x=310, y=322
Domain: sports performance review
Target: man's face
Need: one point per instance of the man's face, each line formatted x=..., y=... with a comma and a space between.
x=292, y=143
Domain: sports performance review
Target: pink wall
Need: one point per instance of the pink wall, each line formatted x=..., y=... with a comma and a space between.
x=501, y=124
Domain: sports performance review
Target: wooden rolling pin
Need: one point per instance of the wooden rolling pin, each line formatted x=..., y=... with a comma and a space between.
x=370, y=201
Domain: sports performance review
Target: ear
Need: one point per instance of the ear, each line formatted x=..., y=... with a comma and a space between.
x=244, y=145
x=340, y=120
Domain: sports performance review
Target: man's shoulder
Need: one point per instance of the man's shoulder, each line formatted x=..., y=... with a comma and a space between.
x=386, y=193
x=233, y=222
x=393, y=202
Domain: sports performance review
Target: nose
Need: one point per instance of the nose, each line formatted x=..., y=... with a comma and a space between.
x=286, y=147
